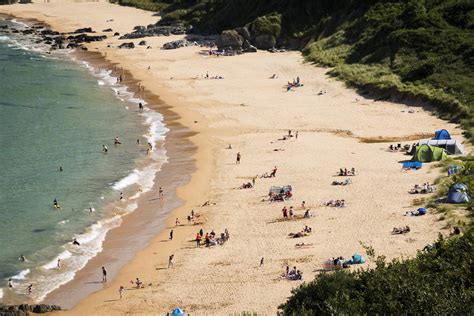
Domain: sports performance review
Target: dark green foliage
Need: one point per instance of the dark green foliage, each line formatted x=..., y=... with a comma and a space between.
x=439, y=282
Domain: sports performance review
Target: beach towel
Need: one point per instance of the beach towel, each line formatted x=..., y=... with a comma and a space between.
x=412, y=165
x=453, y=170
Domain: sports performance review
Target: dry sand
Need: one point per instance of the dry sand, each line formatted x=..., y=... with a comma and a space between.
x=251, y=112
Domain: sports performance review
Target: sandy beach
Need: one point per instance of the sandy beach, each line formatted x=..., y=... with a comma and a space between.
x=246, y=109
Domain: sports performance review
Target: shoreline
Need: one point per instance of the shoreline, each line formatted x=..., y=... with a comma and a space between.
x=241, y=111
x=177, y=148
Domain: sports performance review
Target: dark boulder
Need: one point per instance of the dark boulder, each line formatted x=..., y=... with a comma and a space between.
x=230, y=40
x=248, y=48
x=129, y=45
x=175, y=44
x=108, y=30
x=84, y=38
x=116, y=34
x=3, y=27
x=244, y=32
x=84, y=30
x=142, y=43
x=265, y=41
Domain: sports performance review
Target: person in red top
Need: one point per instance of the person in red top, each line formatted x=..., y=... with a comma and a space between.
x=198, y=240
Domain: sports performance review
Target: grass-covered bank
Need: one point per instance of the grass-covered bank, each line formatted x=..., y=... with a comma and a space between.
x=436, y=282
x=417, y=50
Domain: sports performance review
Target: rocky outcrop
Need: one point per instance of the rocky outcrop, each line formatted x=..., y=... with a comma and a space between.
x=175, y=44
x=156, y=30
x=127, y=45
x=83, y=30
x=265, y=41
x=238, y=40
x=25, y=309
x=230, y=40
x=84, y=38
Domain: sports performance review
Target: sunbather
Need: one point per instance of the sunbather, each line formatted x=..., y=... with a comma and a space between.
x=400, y=230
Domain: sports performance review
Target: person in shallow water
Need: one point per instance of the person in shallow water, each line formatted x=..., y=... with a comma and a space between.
x=56, y=204
x=104, y=149
x=117, y=141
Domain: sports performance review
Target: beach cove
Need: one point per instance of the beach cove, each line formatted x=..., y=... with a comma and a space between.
x=251, y=112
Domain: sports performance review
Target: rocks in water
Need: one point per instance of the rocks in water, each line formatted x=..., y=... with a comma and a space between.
x=129, y=45
x=83, y=30
x=175, y=44
x=156, y=30
x=3, y=27
x=25, y=309
x=116, y=34
x=108, y=30
x=142, y=43
x=84, y=38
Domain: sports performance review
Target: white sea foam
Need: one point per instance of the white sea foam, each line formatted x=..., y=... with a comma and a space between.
x=63, y=222
x=22, y=275
x=1, y=294
x=54, y=263
x=74, y=257
x=4, y=38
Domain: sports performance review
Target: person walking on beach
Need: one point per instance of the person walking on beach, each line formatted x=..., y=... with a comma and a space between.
x=171, y=235
x=140, y=107
x=121, y=291
x=237, y=162
x=261, y=262
x=177, y=222
x=29, y=289
x=59, y=264
x=198, y=240
x=170, y=261
x=104, y=275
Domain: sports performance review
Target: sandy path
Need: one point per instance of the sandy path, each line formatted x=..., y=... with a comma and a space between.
x=251, y=111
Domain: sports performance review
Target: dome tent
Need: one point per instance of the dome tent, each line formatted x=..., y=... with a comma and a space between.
x=458, y=193
x=442, y=134
x=427, y=153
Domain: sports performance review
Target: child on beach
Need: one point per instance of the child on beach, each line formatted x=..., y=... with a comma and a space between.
x=121, y=291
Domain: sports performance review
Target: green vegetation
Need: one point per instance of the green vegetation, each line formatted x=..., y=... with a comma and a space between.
x=436, y=282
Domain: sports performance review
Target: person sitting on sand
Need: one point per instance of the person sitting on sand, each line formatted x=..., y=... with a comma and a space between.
x=400, y=230
x=307, y=214
x=307, y=229
x=274, y=76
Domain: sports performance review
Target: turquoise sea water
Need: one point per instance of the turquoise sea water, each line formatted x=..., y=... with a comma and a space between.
x=54, y=113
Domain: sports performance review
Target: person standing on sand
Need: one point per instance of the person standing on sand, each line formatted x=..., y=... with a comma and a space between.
x=140, y=107
x=170, y=261
x=177, y=222
x=237, y=162
x=59, y=264
x=121, y=291
x=261, y=262
x=296, y=135
x=171, y=235
x=104, y=275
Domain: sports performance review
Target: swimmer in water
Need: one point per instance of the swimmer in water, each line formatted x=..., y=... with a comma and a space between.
x=75, y=242
x=22, y=258
x=117, y=141
x=56, y=204
x=138, y=141
x=104, y=149
x=60, y=168
x=140, y=107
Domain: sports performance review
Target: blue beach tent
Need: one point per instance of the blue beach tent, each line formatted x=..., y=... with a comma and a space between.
x=177, y=312
x=421, y=211
x=442, y=134
x=458, y=193
x=412, y=165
